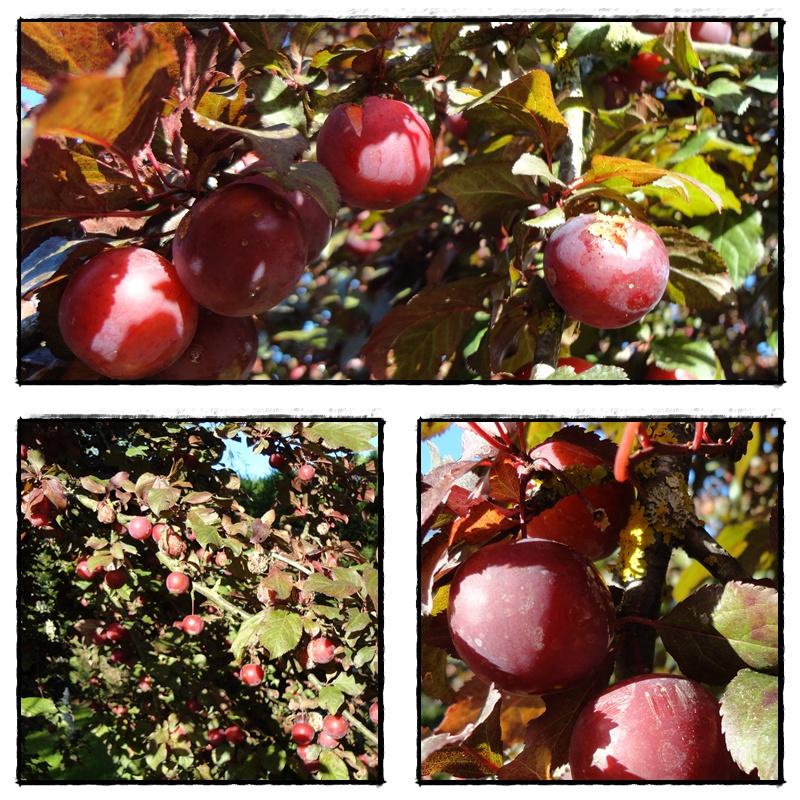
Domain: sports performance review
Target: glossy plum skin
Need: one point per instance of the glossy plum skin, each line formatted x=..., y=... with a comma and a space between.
x=571, y=522
x=177, y=582
x=116, y=578
x=606, y=271
x=380, y=153
x=302, y=733
x=532, y=616
x=126, y=314
x=335, y=726
x=192, y=624
x=649, y=67
x=140, y=528
x=251, y=674
x=652, y=26
x=374, y=712
x=223, y=349
x=321, y=650
x=651, y=727
x=240, y=250
x=316, y=224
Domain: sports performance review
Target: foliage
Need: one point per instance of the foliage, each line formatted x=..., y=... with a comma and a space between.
x=685, y=604
x=111, y=687
x=138, y=120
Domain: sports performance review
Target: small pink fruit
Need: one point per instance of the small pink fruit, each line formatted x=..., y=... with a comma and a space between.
x=335, y=726
x=302, y=733
x=192, y=624
x=140, y=528
x=216, y=737
x=158, y=531
x=374, y=712
x=306, y=473
x=327, y=741
x=321, y=650
x=83, y=571
x=251, y=674
x=116, y=578
x=177, y=582
x=234, y=734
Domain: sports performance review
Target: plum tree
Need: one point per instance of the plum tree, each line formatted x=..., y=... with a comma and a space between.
x=125, y=313
x=335, y=726
x=177, y=582
x=606, y=271
x=379, y=153
x=650, y=67
x=251, y=674
x=531, y=616
x=651, y=727
x=302, y=733
x=192, y=624
x=240, y=250
x=306, y=472
x=572, y=521
x=140, y=528
x=321, y=650
x=223, y=349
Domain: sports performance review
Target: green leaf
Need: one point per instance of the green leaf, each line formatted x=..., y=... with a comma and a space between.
x=331, y=767
x=750, y=713
x=765, y=81
x=599, y=372
x=747, y=616
x=680, y=352
x=281, y=583
x=247, y=632
x=348, y=684
x=529, y=164
x=529, y=100
x=726, y=95
x=338, y=589
x=354, y=436
x=358, y=620
x=596, y=37
x=205, y=525
x=487, y=189
x=371, y=583
x=160, y=500
x=281, y=632
x=738, y=239
x=330, y=698
x=364, y=656
x=37, y=707
x=696, y=201
x=699, y=278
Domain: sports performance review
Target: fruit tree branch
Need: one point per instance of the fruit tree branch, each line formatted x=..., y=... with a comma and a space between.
x=701, y=546
x=209, y=594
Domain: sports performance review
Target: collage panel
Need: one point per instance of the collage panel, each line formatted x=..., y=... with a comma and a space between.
x=371, y=200
x=600, y=600
x=199, y=600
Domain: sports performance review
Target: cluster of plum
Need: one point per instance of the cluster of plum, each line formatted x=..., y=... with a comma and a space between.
x=129, y=313
x=650, y=68
x=535, y=616
x=310, y=743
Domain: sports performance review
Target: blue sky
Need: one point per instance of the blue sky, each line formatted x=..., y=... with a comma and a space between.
x=447, y=443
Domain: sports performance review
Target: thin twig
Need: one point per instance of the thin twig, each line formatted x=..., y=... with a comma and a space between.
x=700, y=545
